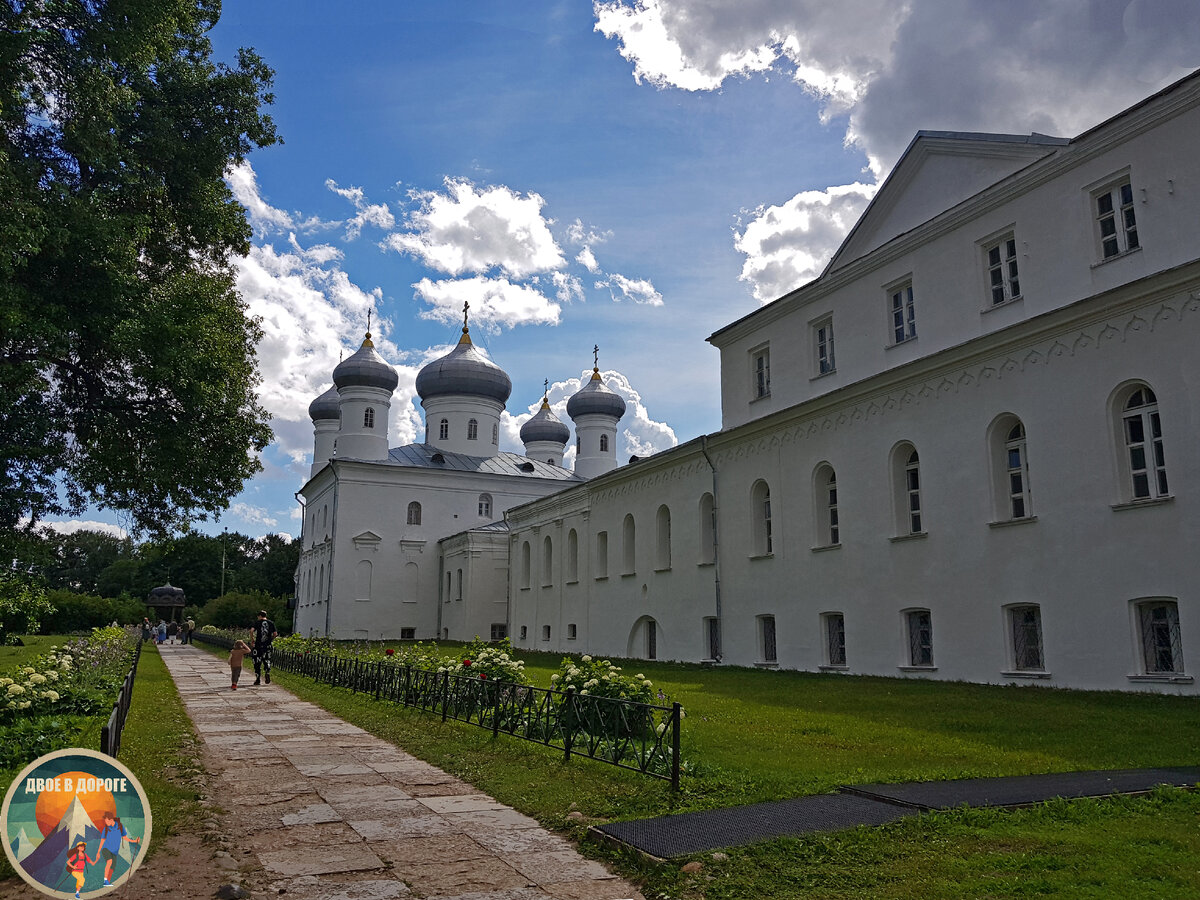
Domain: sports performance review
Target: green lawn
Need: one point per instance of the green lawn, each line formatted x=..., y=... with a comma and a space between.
x=34, y=646
x=755, y=735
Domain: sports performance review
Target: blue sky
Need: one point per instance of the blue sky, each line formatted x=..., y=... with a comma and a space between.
x=633, y=175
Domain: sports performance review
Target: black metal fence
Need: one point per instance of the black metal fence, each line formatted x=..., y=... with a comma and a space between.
x=641, y=737
x=110, y=734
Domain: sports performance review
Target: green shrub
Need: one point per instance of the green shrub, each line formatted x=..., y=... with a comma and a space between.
x=23, y=605
x=238, y=611
x=83, y=612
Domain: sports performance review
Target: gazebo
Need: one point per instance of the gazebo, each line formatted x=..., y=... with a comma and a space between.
x=166, y=602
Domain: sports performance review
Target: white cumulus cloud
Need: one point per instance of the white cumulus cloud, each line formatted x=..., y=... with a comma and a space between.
x=638, y=290
x=788, y=245
x=252, y=515
x=495, y=302
x=376, y=214
x=471, y=229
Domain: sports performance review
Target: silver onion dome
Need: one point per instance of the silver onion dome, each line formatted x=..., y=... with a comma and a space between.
x=595, y=399
x=545, y=426
x=464, y=370
x=365, y=368
x=327, y=406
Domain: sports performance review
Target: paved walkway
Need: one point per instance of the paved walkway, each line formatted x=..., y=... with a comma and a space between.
x=331, y=812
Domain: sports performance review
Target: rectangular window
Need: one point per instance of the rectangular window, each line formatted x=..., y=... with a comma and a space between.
x=524, y=632
x=761, y=368
x=1116, y=220
x=1003, y=281
x=920, y=638
x=1026, y=622
x=651, y=639
x=545, y=632
x=904, y=322
x=835, y=639
x=1162, y=647
x=823, y=339
x=408, y=634
x=499, y=631
x=571, y=632
x=458, y=594
x=767, y=627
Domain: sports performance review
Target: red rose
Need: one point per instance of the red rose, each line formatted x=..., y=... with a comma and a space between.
x=466, y=662
x=483, y=676
x=390, y=652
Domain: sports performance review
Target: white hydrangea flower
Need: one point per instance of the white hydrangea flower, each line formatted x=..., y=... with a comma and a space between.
x=15, y=690
x=52, y=696
x=37, y=678
x=586, y=658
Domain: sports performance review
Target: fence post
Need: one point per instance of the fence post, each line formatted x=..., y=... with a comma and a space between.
x=568, y=734
x=445, y=692
x=495, y=709
x=378, y=675
x=676, y=711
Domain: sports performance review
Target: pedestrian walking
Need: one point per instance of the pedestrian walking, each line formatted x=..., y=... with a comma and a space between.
x=145, y=629
x=162, y=631
x=191, y=629
x=236, y=655
x=264, y=634
x=172, y=631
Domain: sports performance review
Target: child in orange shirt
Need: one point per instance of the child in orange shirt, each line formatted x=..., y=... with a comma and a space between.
x=236, y=655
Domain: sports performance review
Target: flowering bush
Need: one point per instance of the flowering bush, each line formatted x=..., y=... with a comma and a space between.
x=81, y=677
x=487, y=662
x=600, y=678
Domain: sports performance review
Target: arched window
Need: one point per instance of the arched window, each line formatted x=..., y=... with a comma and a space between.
x=628, y=554
x=472, y=429
x=707, y=547
x=572, y=556
x=1141, y=431
x=662, y=538
x=524, y=564
x=547, y=562
x=760, y=516
x=826, y=501
x=414, y=513
x=604, y=443
x=444, y=430
x=906, y=489
x=485, y=505
x=1010, y=469
x=369, y=417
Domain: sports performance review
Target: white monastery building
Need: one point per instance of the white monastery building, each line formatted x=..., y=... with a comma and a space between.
x=969, y=450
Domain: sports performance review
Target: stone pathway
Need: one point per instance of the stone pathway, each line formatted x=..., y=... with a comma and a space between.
x=330, y=812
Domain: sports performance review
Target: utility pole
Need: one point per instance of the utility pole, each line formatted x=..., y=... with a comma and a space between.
x=224, y=535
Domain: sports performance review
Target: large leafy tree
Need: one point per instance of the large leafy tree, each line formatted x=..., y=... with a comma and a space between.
x=127, y=360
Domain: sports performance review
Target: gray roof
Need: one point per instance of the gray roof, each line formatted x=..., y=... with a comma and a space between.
x=422, y=456
x=595, y=399
x=545, y=426
x=464, y=370
x=365, y=368
x=327, y=406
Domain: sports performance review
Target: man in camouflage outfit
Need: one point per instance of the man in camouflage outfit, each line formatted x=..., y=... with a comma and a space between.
x=264, y=634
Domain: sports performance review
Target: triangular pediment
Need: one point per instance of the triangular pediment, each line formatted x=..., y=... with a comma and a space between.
x=939, y=170
x=366, y=539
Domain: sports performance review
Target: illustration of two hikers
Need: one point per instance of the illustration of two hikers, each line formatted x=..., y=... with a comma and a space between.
x=110, y=848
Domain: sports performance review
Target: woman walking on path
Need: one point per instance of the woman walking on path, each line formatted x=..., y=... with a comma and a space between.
x=145, y=629
x=172, y=630
x=162, y=631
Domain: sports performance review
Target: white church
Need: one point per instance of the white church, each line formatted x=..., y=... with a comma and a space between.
x=969, y=450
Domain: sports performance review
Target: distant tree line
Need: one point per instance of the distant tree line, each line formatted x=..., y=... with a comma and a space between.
x=93, y=577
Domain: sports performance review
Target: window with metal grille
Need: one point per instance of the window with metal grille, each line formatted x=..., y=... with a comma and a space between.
x=1026, y=624
x=1162, y=645
x=408, y=634
x=414, y=513
x=835, y=639
x=767, y=633
x=1116, y=220
x=904, y=320
x=1017, y=472
x=920, y=638
x=1144, y=445
x=369, y=417
x=823, y=337
x=1003, y=281
x=472, y=429
x=499, y=631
